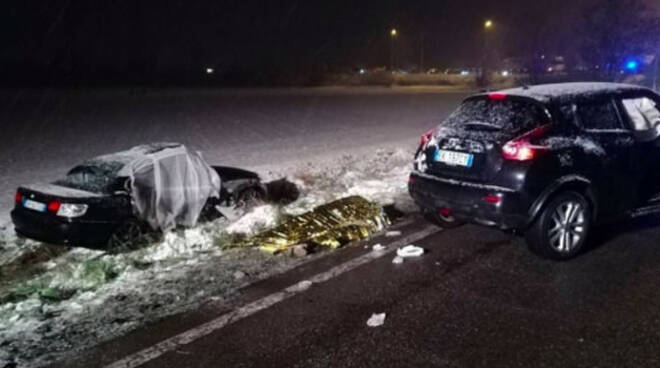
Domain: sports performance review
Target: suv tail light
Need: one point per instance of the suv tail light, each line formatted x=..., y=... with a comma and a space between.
x=18, y=198
x=520, y=149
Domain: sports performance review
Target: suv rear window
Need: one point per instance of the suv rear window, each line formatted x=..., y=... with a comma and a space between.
x=508, y=116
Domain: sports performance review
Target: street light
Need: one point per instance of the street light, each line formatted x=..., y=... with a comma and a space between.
x=393, y=34
x=483, y=75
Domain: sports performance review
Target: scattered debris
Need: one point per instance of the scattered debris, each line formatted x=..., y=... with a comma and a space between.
x=397, y=260
x=282, y=191
x=378, y=247
x=393, y=233
x=410, y=251
x=376, y=319
x=330, y=225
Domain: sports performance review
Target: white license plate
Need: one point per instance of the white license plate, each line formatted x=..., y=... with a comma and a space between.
x=34, y=205
x=454, y=158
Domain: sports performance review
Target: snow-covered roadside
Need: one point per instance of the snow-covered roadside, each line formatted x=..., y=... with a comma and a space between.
x=82, y=297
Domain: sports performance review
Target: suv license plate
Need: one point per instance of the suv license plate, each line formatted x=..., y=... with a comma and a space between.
x=454, y=158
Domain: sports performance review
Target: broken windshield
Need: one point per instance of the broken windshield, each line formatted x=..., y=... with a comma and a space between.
x=95, y=177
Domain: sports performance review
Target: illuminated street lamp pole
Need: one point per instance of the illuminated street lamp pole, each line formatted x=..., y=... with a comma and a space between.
x=488, y=26
x=393, y=34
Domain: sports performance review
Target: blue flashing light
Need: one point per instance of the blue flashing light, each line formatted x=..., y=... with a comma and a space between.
x=632, y=65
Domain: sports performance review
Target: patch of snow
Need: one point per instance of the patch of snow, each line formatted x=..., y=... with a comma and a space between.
x=60, y=191
x=393, y=233
x=545, y=92
x=378, y=247
x=258, y=219
x=300, y=286
x=586, y=144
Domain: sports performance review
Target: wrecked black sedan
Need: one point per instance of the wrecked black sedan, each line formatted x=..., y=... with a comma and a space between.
x=549, y=161
x=120, y=200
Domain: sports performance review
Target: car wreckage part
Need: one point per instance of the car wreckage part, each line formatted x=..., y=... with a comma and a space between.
x=330, y=225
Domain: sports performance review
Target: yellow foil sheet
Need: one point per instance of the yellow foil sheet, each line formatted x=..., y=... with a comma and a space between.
x=330, y=225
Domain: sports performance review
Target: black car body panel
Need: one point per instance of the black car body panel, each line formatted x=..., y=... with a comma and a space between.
x=585, y=144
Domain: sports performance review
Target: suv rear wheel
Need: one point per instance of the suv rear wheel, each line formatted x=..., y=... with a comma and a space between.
x=560, y=231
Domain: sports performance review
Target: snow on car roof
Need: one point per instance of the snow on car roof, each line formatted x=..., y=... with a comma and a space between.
x=562, y=91
x=131, y=155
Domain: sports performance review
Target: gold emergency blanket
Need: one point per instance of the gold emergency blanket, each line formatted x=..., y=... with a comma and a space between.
x=331, y=225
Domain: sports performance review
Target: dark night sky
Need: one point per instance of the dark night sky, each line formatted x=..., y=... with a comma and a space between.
x=264, y=34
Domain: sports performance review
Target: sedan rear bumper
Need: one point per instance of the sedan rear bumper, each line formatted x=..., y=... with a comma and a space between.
x=50, y=229
x=482, y=204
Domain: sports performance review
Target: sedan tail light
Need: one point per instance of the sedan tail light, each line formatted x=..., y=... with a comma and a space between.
x=426, y=137
x=54, y=206
x=72, y=209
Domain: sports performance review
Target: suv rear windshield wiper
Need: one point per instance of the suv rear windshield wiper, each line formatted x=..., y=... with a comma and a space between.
x=481, y=125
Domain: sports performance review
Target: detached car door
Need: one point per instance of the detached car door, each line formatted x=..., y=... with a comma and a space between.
x=641, y=114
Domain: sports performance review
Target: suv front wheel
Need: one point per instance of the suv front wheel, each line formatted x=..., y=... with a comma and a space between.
x=561, y=229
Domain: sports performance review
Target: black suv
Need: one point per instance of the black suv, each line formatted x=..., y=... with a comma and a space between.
x=548, y=160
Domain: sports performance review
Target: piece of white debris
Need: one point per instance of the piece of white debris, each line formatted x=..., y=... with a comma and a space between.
x=410, y=251
x=378, y=247
x=239, y=275
x=376, y=319
x=393, y=233
x=397, y=260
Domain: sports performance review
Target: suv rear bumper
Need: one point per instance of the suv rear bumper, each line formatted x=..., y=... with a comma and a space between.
x=467, y=201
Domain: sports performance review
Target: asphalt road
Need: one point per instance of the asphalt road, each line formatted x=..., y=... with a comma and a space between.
x=477, y=298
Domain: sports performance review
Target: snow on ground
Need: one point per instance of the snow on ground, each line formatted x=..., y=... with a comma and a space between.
x=78, y=298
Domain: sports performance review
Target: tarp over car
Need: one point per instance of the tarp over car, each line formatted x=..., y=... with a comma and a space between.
x=168, y=183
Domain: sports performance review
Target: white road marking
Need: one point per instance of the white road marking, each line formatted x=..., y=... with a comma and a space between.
x=172, y=343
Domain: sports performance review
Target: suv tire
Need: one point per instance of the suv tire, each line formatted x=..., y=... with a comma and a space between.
x=561, y=230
